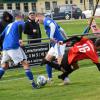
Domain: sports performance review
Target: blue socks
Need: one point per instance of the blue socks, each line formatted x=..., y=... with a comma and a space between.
x=2, y=71
x=31, y=78
x=49, y=71
x=29, y=74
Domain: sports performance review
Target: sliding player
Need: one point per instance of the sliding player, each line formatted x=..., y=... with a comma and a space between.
x=83, y=48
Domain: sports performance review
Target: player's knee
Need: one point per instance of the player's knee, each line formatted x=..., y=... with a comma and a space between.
x=59, y=60
x=49, y=57
x=25, y=64
x=5, y=65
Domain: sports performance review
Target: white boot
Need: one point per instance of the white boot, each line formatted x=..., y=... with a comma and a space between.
x=65, y=82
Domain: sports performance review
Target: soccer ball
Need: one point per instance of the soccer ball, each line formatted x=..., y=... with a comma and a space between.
x=41, y=80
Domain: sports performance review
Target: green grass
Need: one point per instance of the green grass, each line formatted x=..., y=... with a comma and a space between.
x=73, y=27
x=70, y=27
x=85, y=82
x=84, y=85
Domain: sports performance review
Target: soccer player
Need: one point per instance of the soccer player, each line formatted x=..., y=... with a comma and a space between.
x=83, y=48
x=55, y=33
x=12, y=49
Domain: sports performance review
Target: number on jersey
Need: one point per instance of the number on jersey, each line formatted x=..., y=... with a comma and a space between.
x=84, y=48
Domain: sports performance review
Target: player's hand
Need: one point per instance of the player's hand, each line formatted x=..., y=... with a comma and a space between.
x=34, y=30
x=21, y=43
x=53, y=40
x=60, y=42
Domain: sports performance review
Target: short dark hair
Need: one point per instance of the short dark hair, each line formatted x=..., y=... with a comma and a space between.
x=7, y=14
x=97, y=42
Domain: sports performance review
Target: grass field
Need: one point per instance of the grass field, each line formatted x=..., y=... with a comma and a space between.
x=85, y=82
x=72, y=27
x=85, y=85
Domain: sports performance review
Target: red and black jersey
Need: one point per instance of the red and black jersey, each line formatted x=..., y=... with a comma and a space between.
x=83, y=49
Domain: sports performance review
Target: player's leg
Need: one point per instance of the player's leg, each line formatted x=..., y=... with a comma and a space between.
x=48, y=67
x=3, y=68
x=51, y=55
x=61, y=52
x=53, y=52
x=54, y=65
x=4, y=64
x=18, y=56
x=66, y=71
x=29, y=73
x=48, y=58
x=63, y=63
x=49, y=72
x=69, y=69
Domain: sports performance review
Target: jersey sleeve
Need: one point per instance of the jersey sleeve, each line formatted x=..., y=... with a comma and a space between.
x=21, y=23
x=52, y=30
x=47, y=22
x=21, y=26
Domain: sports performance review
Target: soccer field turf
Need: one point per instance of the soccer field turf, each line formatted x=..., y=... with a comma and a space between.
x=73, y=27
x=85, y=82
x=85, y=85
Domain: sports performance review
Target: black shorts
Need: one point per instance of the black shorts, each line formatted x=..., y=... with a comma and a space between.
x=64, y=62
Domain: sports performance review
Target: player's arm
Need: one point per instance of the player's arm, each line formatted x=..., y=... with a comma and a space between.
x=63, y=32
x=75, y=38
x=20, y=30
x=52, y=31
x=27, y=28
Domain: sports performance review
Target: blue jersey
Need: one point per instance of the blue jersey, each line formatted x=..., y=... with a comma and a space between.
x=11, y=35
x=57, y=34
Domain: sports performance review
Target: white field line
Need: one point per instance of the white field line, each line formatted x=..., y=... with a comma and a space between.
x=2, y=81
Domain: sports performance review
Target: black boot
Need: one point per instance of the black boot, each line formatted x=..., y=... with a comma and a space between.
x=65, y=74
x=62, y=76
